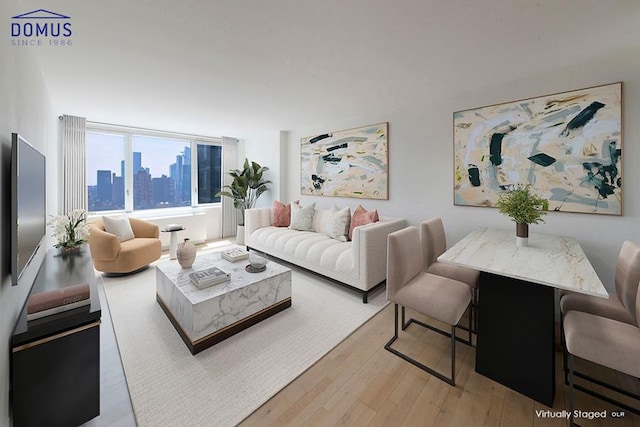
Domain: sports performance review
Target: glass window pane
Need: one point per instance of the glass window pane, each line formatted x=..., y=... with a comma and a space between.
x=209, y=173
x=161, y=172
x=105, y=171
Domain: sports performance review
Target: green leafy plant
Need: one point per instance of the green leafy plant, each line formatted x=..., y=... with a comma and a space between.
x=246, y=187
x=523, y=206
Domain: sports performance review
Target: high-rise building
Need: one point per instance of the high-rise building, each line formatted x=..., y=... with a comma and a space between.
x=104, y=187
x=137, y=162
x=162, y=191
x=117, y=192
x=142, y=191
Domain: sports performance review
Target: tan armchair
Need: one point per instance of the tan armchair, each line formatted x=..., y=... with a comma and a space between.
x=110, y=255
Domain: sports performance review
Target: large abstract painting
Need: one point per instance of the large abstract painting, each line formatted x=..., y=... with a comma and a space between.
x=567, y=146
x=347, y=163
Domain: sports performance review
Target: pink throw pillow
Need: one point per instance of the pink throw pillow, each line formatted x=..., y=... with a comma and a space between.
x=362, y=217
x=281, y=214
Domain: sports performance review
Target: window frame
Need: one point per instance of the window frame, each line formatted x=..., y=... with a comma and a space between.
x=128, y=133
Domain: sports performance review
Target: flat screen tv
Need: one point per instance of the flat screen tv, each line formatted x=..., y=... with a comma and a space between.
x=28, y=204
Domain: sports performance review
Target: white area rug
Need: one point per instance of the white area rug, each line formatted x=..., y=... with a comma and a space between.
x=224, y=384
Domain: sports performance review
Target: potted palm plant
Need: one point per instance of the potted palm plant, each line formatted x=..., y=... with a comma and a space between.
x=524, y=208
x=245, y=189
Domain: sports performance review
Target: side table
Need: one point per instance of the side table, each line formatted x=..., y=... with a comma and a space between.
x=173, y=244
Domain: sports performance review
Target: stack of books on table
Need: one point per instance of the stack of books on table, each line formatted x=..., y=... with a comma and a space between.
x=235, y=254
x=58, y=300
x=209, y=277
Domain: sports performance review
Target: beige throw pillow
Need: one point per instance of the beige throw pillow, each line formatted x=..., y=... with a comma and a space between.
x=120, y=226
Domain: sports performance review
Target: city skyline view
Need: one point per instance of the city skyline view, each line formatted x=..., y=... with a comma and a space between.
x=106, y=151
x=161, y=172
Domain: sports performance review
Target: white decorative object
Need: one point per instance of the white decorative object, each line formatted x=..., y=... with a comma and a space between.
x=186, y=254
x=302, y=217
x=120, y=226
x=70, y=230
x=257, y=262
x=333, y=222
x=240, y=235
x=235, y=254
x=522, y=242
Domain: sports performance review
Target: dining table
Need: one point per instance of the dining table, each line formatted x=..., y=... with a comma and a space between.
x=516, y=303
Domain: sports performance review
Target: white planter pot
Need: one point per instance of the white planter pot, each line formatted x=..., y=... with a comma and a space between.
x=522, y=242
x=240, y=235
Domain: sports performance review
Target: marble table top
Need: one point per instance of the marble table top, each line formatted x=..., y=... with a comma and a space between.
x=548, y=260
x=240, y=278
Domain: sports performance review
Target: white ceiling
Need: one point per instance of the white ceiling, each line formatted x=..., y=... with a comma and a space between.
x=243, y=67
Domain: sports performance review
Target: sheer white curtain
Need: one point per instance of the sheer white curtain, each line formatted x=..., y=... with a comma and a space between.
x=74, y=186
x=229, y=161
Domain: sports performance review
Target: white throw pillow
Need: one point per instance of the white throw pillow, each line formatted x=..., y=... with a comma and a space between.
x=338, y=227
x=120, y=226
x=322, y=220
x=302, y=218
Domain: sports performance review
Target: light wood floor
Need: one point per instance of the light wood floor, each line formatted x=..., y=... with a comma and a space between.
x=359, y=383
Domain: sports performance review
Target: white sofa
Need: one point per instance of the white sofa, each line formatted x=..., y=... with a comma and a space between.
x=360, y=263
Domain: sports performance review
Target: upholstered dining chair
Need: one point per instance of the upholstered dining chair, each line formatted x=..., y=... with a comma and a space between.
x=619, y=306
x=434, y=244
x=607, y=342
x=434, y=296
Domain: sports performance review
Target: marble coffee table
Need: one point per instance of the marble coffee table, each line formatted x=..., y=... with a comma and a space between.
x=204, y=317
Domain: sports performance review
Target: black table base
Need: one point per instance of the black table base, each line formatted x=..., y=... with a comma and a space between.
x=516, y=336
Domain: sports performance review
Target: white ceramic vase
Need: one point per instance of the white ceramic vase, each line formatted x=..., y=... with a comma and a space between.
x=186, y=254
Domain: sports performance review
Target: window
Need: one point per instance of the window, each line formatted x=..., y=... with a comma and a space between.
x=209, y=173
x=131, y=170
x=105, y=171
x=161, y=172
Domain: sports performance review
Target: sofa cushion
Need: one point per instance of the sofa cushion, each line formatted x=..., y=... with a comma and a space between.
x=308, y=248
x=120, y=226
x=281, y=214
x=302, y=217
x=362, y=217
x=335, y=223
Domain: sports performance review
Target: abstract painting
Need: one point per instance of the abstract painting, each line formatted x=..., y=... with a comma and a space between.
x=567, y=146
x=346, y=163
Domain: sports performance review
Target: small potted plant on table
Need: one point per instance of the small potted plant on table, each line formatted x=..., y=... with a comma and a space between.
x=524, y=208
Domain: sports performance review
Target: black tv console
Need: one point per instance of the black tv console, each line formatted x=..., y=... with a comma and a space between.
x=55, y=360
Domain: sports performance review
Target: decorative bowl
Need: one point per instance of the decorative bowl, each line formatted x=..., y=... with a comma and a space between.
x=257, y=262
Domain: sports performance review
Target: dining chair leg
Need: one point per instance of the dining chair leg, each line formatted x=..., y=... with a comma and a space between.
x=404, y=323
x=395, y=321
x=452, y=335
x=571, y=391
x=563, y=343
x=453, y=353
x=471, y=313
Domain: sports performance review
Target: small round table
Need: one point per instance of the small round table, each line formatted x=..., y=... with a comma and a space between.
x=173, y=244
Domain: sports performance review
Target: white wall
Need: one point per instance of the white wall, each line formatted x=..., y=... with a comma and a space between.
x=421, y=165
x=25, y=107
x=264, y=148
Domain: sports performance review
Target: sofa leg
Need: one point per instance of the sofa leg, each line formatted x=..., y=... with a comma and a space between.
x=365, y=297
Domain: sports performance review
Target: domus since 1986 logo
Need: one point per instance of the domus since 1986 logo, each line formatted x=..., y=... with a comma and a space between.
x=41, y=28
